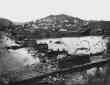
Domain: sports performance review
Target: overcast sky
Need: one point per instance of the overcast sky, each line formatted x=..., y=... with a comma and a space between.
x=27, y=10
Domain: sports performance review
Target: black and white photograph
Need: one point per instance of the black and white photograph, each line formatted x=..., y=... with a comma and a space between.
x=54, y=42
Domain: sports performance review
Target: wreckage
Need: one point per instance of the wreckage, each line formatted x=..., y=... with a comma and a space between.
x=53, y=50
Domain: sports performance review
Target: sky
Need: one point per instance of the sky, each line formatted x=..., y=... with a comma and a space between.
x=30, y=10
